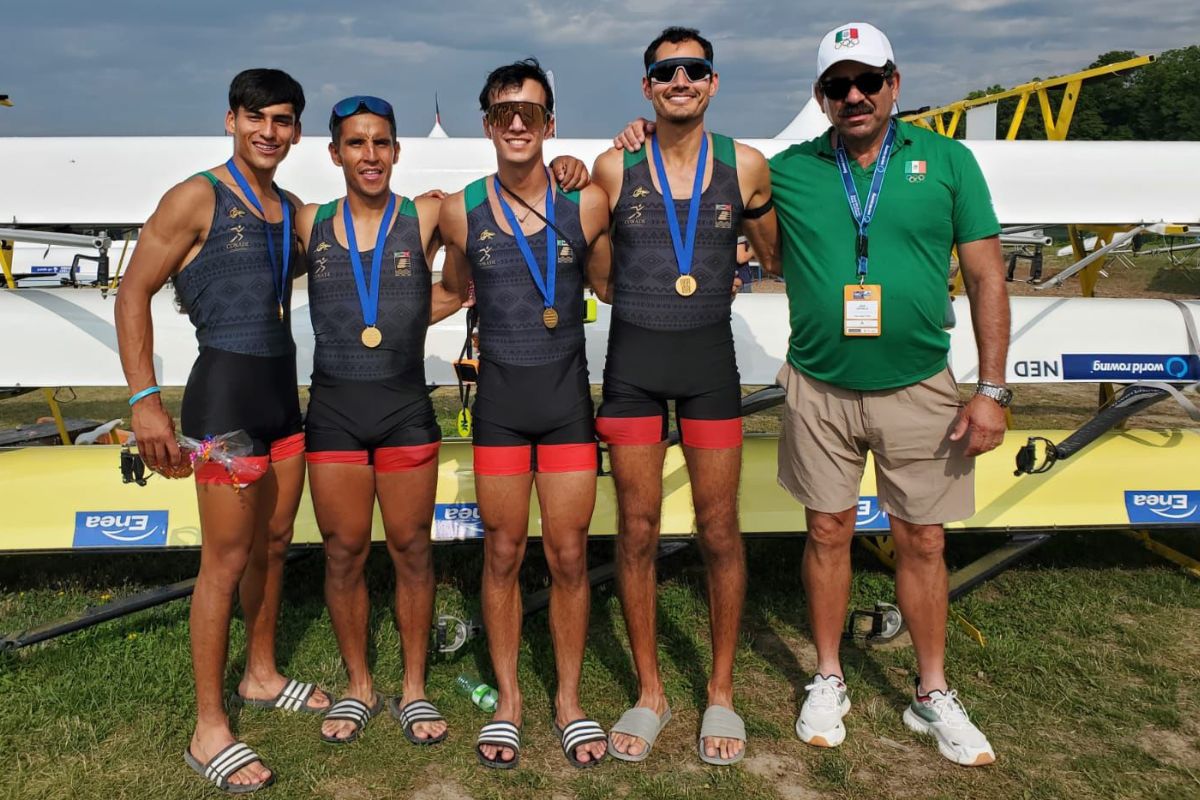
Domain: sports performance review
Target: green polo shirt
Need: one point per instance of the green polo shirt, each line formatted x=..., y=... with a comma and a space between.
x=933, y=197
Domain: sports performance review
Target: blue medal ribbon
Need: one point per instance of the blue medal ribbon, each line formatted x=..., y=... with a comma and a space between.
x=368, y=297
x=281, y=281
x=863, y=216
x=684, y=247
x=545, y=286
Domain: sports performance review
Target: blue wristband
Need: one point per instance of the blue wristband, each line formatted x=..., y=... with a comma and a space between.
x=144, y=393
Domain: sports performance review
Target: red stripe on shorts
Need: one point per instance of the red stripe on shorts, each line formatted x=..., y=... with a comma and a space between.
x=566, y=457
x=501, y=460
x=630, y=430
x=337, y=457
x=248, y=469
x=711, y=434
x=288, y=447
x=403, y=459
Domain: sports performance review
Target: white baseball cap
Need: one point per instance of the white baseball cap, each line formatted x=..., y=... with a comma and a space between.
x=854, y=41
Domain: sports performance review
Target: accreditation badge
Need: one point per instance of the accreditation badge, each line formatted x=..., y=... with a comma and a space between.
x=862, y=309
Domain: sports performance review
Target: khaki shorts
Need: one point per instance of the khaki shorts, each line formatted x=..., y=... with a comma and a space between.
x=920, y=475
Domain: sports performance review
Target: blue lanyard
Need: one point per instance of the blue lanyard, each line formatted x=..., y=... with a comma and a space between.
x=368, y=298
x=546, y=287
x=281, y=281
x=863, y=216
x=684, y=248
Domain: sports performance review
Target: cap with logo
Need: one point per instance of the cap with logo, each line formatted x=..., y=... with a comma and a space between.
x=854, y=41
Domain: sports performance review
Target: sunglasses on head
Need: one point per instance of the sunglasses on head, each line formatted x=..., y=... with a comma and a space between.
x=533, y=115
x=866, y=82
x=696, y=69
x=351, y=106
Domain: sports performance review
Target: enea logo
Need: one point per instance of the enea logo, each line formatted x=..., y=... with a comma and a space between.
x=870, y=516
x=120, y=529
x=1178, y=507
x=456, y=521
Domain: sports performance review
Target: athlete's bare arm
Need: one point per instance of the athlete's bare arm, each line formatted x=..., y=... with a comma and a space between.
x=595, y=218
x=304, y=225
x=299, y=263
x=171, y=237
x=607, y=175
x=452, y=223
x=754, y=179
x=443, y=302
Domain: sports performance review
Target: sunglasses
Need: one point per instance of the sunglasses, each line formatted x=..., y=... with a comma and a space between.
x=867, y=82
x=696, y=69
x=533, y=115
x=351, y=106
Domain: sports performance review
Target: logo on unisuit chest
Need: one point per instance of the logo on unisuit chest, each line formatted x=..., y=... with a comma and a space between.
x=320, y=268
x=915, y=171
x=635, y=216
x=486, y=234
x=235, y=213
x=724, y=216
x=641, y=191
x=238, y=240
x=484, y=254
x=403, y=263
x=565, y=254
x=323, y=246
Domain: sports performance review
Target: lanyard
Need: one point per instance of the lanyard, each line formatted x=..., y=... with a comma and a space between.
x=863, y=216
x=546, y=287
x=368, y=298
x=281, y=281
x=684, y=247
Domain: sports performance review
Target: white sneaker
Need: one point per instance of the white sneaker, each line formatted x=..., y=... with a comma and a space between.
x=820, y=720
x=943, y=717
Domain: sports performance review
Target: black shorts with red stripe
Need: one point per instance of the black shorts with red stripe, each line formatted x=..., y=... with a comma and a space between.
x=534, y=419
x=229, y=391
x=389, y=425
x=645, y=369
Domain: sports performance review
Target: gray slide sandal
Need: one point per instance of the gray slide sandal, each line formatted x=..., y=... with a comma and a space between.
x=721, y=722
x=642, y=723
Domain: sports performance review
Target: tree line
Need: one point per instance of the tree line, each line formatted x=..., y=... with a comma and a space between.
x=1157, y=102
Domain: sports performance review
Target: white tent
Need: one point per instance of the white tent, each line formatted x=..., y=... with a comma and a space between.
x=808, y=124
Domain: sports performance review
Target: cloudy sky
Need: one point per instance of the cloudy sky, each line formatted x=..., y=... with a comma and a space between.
x=132, y=67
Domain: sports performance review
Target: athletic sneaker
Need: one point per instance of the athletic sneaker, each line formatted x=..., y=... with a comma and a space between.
x=943, y=717
x=820, y=720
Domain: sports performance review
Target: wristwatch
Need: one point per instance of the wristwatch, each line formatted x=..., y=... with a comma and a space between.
x=1001, y=394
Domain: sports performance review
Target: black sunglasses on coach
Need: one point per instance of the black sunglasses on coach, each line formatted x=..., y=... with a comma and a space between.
x=696, y=69
x=867, y=82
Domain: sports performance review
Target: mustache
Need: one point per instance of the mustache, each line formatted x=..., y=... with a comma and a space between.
x=856, y=109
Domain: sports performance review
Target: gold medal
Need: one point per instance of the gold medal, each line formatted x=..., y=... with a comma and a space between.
x=550, y=318
x=281, y=312
x=685, y=285
x=371, y=337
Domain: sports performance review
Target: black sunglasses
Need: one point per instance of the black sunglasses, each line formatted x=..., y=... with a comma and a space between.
x=867, y=82
x=696, y=69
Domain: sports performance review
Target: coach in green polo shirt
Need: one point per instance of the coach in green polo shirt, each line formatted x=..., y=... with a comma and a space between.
x=868, y=214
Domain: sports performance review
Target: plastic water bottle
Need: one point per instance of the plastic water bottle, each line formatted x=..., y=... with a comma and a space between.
x=482, y=695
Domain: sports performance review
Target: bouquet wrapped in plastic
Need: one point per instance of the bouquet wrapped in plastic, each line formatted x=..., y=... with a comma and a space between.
x=232, y=451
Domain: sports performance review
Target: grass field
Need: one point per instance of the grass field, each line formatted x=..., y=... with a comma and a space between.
x=1088, y=685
